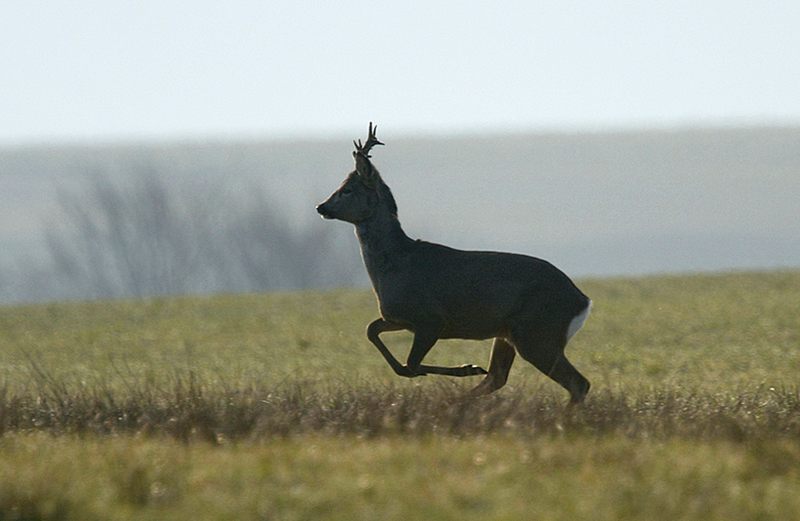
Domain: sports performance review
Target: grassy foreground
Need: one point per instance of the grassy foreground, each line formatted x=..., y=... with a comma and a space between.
x=397, y=478
x=276, y=407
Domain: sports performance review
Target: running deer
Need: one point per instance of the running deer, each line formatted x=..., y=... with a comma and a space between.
x=526, y=304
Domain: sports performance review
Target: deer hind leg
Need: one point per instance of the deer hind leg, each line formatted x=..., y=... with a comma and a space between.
x=546, y=353
x=502, y=357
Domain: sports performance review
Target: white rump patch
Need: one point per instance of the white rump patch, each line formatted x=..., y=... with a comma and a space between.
x=578, y=321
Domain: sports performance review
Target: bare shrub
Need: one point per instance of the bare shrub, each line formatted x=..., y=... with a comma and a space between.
x=147, y=238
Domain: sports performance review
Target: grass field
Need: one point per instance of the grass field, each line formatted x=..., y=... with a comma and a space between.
x=277, y=407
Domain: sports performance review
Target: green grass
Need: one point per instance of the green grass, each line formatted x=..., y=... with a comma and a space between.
x=715, y=333
x=396, y=478
x=277, y=407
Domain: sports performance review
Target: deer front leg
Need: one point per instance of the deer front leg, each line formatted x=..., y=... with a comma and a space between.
x=378, y=326
x=375, y=328
x=424, y=339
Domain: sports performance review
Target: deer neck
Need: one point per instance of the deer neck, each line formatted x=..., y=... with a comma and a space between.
x=382, y=241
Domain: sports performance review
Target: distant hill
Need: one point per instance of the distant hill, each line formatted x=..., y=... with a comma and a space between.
x=593, y=203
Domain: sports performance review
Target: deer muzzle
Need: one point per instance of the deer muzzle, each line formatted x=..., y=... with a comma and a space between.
x=323, y=211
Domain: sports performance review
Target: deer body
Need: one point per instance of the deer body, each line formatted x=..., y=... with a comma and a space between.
x=526, y=304
x=473, y=294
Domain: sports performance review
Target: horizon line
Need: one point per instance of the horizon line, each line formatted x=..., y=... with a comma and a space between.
x=402, y=133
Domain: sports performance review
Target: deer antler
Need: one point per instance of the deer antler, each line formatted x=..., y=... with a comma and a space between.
x=363, y=150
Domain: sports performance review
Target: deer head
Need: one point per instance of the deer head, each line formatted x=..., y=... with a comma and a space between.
x=360, y=195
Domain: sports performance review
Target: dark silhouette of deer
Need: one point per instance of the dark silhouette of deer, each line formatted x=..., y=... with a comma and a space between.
x=526, y=304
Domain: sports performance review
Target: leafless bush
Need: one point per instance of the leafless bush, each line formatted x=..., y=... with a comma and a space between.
x=148, y=238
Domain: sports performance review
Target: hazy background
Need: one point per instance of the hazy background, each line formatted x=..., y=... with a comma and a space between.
x=165, y=147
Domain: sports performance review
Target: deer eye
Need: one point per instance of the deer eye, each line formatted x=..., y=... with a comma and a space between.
x=347, y=190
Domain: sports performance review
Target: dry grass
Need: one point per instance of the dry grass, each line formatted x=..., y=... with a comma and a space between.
x=192, y=409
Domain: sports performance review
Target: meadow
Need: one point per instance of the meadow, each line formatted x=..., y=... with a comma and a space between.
x=277, y=407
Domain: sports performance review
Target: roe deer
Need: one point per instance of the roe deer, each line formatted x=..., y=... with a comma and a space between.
x=526, y=304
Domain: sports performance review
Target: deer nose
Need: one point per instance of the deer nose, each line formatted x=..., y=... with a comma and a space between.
x=323, y=211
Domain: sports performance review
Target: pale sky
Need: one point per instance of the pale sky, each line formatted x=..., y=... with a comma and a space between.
x=110, y=70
